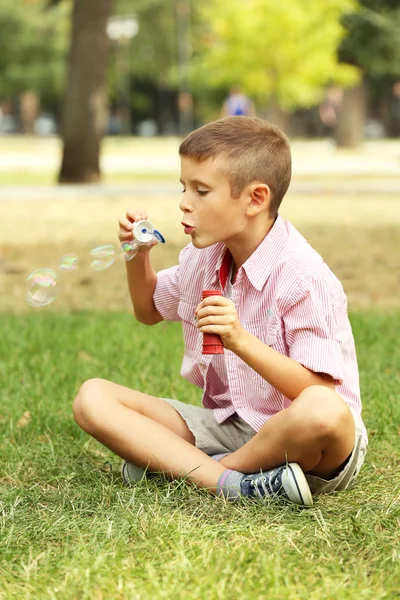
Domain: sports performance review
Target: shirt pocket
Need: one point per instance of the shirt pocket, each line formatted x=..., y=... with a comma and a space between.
x=194, y=361
x=186, y=311
x=269, y=332
x=192, y=336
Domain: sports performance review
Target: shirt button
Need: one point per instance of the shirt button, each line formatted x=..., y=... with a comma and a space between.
x=202, y=366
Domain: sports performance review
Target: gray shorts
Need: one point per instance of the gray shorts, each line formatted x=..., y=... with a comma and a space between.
x=215, y=438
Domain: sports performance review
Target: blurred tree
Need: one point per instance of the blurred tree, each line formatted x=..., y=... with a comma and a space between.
x=372, y=43
x=281, y=53
x=84, y=110
x=153, y=59
x=33, y=43
x=155, y=47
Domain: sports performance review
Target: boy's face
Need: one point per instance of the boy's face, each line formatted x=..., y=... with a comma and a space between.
x=209, y=211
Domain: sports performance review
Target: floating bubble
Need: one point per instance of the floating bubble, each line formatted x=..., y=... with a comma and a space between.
x=68, y=262
x=42, y=289
x=103, y=256
x=129, y=249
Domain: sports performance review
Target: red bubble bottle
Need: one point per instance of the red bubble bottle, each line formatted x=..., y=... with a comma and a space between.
x=212, y=343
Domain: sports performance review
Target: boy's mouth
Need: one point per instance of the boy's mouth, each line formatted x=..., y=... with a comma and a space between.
x=188, y=228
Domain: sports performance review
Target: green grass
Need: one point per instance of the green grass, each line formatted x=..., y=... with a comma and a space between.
x=70, y=530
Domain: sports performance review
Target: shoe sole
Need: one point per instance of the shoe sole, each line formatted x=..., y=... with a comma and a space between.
x=131, y=473
x=296, y=486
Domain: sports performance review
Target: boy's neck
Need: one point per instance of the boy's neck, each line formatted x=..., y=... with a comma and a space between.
x=241, y=249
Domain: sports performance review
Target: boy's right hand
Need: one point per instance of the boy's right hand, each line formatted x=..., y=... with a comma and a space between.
x=125, y=232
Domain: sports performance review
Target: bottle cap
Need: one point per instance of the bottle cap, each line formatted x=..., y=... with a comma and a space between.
x=207, y=293
x=143, y=231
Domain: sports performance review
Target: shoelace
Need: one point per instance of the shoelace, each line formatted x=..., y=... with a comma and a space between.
x=261, y=480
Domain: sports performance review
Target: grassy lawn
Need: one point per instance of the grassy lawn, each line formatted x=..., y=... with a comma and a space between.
x=35, y=161
x=69, y=529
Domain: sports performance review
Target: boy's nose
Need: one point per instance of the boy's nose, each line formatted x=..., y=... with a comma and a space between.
x=185, y=205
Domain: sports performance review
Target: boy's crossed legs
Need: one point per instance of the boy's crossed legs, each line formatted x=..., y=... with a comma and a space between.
x=144, y=430
x=316, y=431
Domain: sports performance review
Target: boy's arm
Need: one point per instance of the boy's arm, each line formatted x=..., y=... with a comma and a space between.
x=154, y=296
x=142, y=281
x=285, y=374
x=311, y=326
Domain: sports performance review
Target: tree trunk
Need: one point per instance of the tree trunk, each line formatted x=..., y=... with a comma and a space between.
x=352, y=116
x=84, y=110
x=275, y=114
x=29, y=103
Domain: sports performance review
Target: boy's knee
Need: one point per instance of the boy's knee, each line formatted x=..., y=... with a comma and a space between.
x=327, y=413
x=86, y=403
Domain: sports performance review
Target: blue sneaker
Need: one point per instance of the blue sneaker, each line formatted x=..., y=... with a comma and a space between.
x=287, y=481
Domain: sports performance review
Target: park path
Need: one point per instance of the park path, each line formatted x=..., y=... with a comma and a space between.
x=311, y=187
x=318, y=168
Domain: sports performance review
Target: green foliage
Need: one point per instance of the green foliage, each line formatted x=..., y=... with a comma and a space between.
x=33, y=46
x=153, y=50
x=280, y=51
x=284, y=51
x=373, y=39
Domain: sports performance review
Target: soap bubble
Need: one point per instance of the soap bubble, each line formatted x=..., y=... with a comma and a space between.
x=129, y=249
x=103, y=256
x=68, y=262
x=42, y=289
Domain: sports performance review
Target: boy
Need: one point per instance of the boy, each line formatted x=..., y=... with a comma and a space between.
x=281, y=407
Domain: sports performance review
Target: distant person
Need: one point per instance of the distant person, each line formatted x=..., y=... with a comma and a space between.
x=281, y=412
x=329, y=110
x=237, y=104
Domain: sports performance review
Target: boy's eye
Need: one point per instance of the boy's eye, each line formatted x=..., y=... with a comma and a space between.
x=202, y=192
x=183, y=191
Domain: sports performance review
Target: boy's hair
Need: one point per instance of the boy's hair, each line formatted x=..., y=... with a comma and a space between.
x=252, y=149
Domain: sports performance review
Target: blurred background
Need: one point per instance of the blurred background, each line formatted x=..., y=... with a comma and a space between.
x=97, y=94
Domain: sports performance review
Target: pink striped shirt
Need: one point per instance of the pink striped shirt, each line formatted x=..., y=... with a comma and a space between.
x=286, y=296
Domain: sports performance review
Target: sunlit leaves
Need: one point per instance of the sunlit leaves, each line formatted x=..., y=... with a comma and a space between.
x=286, y=50
x=33, y=46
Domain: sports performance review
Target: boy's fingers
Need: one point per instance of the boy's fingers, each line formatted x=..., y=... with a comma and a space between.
x=220, y=300
x=125, y=224
x=136, y=215
x=212, y=310
x=125, y=235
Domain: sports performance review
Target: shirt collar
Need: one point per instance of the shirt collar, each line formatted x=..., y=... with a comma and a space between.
x=259, y=265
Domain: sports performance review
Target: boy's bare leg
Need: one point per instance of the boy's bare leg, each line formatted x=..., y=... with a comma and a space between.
x=145, y=431
x=316, y=431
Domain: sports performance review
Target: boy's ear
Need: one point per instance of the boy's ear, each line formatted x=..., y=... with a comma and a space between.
x=259, y=197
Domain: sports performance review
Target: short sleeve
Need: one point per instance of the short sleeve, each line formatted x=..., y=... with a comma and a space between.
x=312, y=328
x=167, y=293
